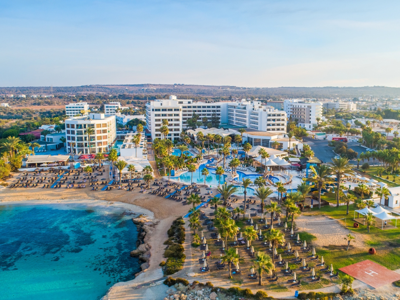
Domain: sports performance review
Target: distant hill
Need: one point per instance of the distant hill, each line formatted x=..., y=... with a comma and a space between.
x=211, y=91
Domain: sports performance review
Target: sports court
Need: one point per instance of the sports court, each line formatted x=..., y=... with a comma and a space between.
x=371, y=273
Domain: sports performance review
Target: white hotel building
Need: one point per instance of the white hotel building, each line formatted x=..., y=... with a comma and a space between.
x=242, y=114
x=110, y=109
x=305, y=113
x=74, y=109
x=100, y=141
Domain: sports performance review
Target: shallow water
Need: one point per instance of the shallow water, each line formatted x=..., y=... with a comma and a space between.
x=68, y=252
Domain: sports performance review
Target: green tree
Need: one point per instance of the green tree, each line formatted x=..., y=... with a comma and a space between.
x=120, y=165
x=250, y=234
x=148, y=178
x=263, y=262
x=205, y=173
x=88, y=169
x=276, y=237
x=340, y=167
x=246, y=182
x=89, y=133
x=215, y=201
x=263, y=193
x=194, y=199
x=219, y=172
x=191, y=169
x=349, y=238
x=131, y=169
x=273, y=208
x=230, y=258
x=320, y=179
x=226, y=191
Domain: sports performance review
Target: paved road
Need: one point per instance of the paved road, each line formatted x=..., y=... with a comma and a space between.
x=325, y=153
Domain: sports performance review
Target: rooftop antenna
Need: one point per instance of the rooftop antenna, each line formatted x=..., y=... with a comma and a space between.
x=51, y=90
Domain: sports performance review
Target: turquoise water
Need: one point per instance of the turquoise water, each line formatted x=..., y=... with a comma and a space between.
x=177, y=152
x=68, y=252
x=118, y=145
x=212, y=178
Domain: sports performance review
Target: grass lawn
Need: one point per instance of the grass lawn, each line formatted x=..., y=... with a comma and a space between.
x=372, y=172
x=386, y=242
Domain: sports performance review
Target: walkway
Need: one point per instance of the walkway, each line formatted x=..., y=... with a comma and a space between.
x=166, y=197
x=106, y=186
x=59, y=178
x=200, y=205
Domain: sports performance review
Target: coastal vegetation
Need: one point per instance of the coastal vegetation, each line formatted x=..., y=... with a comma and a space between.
x=174, y=253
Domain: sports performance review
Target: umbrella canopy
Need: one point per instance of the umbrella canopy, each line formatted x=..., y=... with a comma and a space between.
x=379, y=209
x=365, y=211
x=385, y=216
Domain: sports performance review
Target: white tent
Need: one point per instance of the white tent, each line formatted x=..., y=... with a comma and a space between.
x=363, y=212
x=385, y=216
x=373, y=180
x=382, y=184
x=364, y=179
x=379, y=209
x=270, y=163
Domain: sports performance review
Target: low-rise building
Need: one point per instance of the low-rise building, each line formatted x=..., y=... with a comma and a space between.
x=123, y=119
x=129, y=148
x=344, y=106
x=101, y=140
x=76, y=109
x=112, y=108
x=4, y=105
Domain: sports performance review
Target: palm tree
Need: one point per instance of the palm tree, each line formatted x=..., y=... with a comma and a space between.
x=234, y=164
x=349, y=238
x=263, y=193
x=363, y=189
x=205, y=173
x=273, y=208
x=260, y=181
x=320, y=178
x=99, y=157
x=215, y=201
x=147, y=178
x=194, y=222
x=340, y=167
x=194, y=199
x=263, y=262
x=89, y=132
x=227, y=228
x=247, y=147
x=148, y=170
x=131, y=169
x=225, y=153
x=293, y=210
x=219, y=172
x=164, y=131
x=370, y=220
x=88, y=169
x=226, y=191
x=238, y=139
x=169, y=165
x=246, y=182
x=281, y=190
x=191, y=169
x=275, y=144
x=136, y=140
x=290, y=136
x=241, y=130
x=276, y=237
x=121, y=164
x=304, y=189
x=250, y=234
x=230, y=257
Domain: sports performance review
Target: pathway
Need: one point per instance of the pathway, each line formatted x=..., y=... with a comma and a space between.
x=59, y=178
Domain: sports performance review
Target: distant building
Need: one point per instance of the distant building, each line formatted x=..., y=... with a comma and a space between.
x=22, y=96
x=10, y=95
x=111, y=109
x=4, y=105
x=74, y=109
x=55, y=138
x=345, y=106
x=123, y=119
x=275, y=104
x=129, y=148
x=305, y=113
x=100, y=141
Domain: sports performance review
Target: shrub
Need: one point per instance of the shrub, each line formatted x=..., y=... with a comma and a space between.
x=209, y=284
x=162, y=264
x=261, y=295
x=365, y=166
x=161, y=171
x=169, y=281
x=302, y=296
x=247, y=293
x=182, y=281
x=235, y=291
x=173, y=265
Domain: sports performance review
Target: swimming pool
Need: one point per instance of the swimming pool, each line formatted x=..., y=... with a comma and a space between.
x=212, y=178
x=177, y=152
x=118, y=145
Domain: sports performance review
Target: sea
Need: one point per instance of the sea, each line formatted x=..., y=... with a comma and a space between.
x=64, y=251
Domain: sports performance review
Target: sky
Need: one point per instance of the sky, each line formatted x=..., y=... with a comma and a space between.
x=251, y=43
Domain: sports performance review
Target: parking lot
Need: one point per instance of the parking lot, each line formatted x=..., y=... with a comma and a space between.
x=325, y=153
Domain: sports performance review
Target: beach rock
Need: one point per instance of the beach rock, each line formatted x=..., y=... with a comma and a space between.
x=145, y=266
x=213, y=296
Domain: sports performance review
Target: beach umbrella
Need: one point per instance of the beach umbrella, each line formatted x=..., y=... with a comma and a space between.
x=251, y=221
x=322, y=260
x=291, y=231
x=204, y=241
x=275, y=252
x=256, y=227
x=241, y=235
x=235, y=238
x=313, y=251
x=203, y=255
x=219, y=236
x=298, y=237
x=266, y=221
x=305, y=245
x=247, y=243
x=272, y=226
x=331, y=269
x=287, y=266
x=270, y=273
x=252, y=271
x=237, y=266
x=289, y=247
x=259, y=232
x=304, y=263
x=220, y=258
x=280, y=258
x=270, y=245
x=206, y=247
x=313, y=273
x=223, y=244
x=279, y=220
x=285, y=225
x=294, y=276
x=205, y=264
x=252, y=249
x=296, y=254
x=237, y=250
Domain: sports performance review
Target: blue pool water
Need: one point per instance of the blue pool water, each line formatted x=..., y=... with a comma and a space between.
x=212, y=178
x=177, y=152
x=69, y=252
x=118, y=145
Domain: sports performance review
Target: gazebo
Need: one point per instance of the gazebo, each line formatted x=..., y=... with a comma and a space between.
x=384, y=216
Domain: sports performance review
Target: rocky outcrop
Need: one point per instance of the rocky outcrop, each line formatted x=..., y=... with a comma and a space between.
x=182, y=292
x=145, y=227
